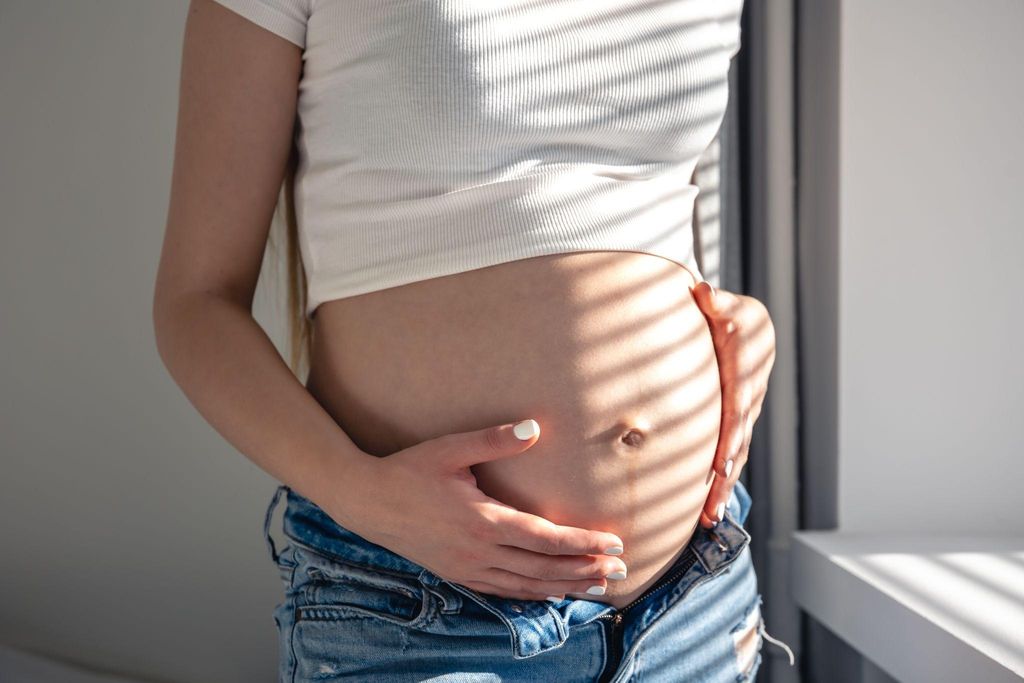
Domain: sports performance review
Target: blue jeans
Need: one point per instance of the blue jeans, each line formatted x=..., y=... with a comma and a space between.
x=354, y=610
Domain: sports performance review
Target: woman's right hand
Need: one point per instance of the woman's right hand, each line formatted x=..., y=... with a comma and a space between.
x=423, y=503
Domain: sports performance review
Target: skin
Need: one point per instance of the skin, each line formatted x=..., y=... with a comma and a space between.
x=607, y=351
x=610, y=352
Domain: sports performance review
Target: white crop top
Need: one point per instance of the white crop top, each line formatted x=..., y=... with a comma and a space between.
x=440, y=136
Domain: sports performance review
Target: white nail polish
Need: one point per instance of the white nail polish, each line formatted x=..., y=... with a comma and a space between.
x=617, y=575
x=720, y=510
x=614, y=550
x=526, y=430
x=728, y=468
x=596, y=590
x=553, y=598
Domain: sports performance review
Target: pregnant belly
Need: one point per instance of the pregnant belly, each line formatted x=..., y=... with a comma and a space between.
x=606, y=350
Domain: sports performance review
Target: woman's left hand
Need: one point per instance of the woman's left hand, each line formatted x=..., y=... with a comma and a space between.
x=744, y=340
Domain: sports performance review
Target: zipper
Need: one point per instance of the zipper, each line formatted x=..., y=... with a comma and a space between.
x=616, y=616
x=616, y=648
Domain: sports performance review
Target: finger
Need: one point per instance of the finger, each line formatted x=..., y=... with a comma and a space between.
x=727, y=304
x=465, y=449
x=517, y=583
x=718, y=496
x=747, y=397
x=714, y=506
x=744, y=404
x=532, y=532
x=491, y=589
x=732, y=436
x=748, y=434
x=706, y=522
x=703, y=290
x=717, y=303
x=755, y=410
x=704, y=294
x=558, y=568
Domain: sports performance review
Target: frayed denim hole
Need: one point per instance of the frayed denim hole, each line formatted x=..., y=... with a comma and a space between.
x=747, y=641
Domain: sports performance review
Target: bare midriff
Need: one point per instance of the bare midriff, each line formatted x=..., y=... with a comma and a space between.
x=606, y=350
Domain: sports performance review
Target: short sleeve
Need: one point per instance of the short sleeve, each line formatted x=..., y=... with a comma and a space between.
x=286, y=18
x=730, y=25
x=735, y=41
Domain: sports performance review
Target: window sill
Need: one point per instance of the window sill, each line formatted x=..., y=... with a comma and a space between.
x=921, y=607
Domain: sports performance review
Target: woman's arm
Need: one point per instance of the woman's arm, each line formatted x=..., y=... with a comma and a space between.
x=237, y=104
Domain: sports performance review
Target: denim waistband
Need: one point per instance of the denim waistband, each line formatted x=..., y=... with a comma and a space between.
x=535, y=626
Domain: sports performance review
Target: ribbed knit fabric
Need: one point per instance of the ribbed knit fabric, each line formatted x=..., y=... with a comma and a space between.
x=440, y=136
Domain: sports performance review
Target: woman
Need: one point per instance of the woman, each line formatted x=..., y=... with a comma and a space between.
x=517, y=448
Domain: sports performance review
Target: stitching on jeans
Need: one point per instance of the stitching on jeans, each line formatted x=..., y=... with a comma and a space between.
x=326, y=612
x=472, y=594
x=741, y=545
x=418, y=591
x=428, y=603
x=337, y=559
x=293, y=660
x=446, y=598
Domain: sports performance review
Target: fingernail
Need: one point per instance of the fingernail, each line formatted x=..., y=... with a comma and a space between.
x=614, y=550
x=720, y=510
x=553, y=598
x=526, y=430
x=728, y=468
x=596, y=590
x=617, y=575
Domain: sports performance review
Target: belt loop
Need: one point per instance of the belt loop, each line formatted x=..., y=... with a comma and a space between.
x=266, y=522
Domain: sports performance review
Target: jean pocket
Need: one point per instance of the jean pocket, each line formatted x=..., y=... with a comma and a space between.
x=328, y=589
x=743, y=502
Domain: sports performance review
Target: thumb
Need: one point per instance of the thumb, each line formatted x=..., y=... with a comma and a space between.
x=492, y=443
x=705, y=295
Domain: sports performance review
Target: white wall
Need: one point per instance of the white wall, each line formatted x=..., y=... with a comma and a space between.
x=131, y=533
x=931, y=273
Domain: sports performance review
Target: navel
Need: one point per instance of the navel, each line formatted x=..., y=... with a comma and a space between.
x=633, y=437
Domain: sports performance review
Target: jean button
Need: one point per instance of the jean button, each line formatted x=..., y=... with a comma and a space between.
x=517, y=608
